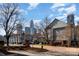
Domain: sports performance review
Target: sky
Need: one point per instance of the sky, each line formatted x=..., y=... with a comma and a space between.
x=38, y=11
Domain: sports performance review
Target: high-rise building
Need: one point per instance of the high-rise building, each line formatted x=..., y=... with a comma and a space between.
x=31, y=24
x=19, y=28
x=32, y=29
x=19, y=33
x=17, y=37
x=27, y=30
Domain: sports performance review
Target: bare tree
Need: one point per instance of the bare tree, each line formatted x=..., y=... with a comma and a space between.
x=43, y=26
x=42, y=32
x=9, y=16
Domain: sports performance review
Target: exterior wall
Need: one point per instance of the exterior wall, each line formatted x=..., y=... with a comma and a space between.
x=68, y=32
x=59, y=34
x=77, y=34
x=13, y=39
x=57, y=25
x=16, y=39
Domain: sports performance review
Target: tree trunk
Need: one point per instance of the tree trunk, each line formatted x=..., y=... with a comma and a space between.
x=46, y=35
x=7, y=41
x=41, y=46
x=27, y=43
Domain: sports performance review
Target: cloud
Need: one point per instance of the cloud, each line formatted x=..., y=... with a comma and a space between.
x=26, y=23
x=32, y=6
x=68, y=9
x=2, y=32
x=57, y=5
x=58, y=8
x=23, y=11
x=61, y=9
x=50, y=16
x=71, y=9
x=65, y=14
x=61, y=17
x=37, y=21
x=76, y=19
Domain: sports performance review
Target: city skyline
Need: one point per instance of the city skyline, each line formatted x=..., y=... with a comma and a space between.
x=38, y=11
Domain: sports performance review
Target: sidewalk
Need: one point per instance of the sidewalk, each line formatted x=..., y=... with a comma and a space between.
x=36, y=54
x=23, y=52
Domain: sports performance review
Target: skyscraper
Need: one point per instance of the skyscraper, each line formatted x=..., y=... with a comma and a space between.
x=31, y=24
x=32, y=29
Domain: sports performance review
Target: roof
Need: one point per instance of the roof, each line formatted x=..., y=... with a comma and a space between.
x=53, y=23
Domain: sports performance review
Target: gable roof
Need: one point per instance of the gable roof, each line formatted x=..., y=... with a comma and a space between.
x=53, y=23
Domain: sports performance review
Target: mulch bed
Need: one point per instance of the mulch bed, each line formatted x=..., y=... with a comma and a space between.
x=37, y=49
x=26, y=48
